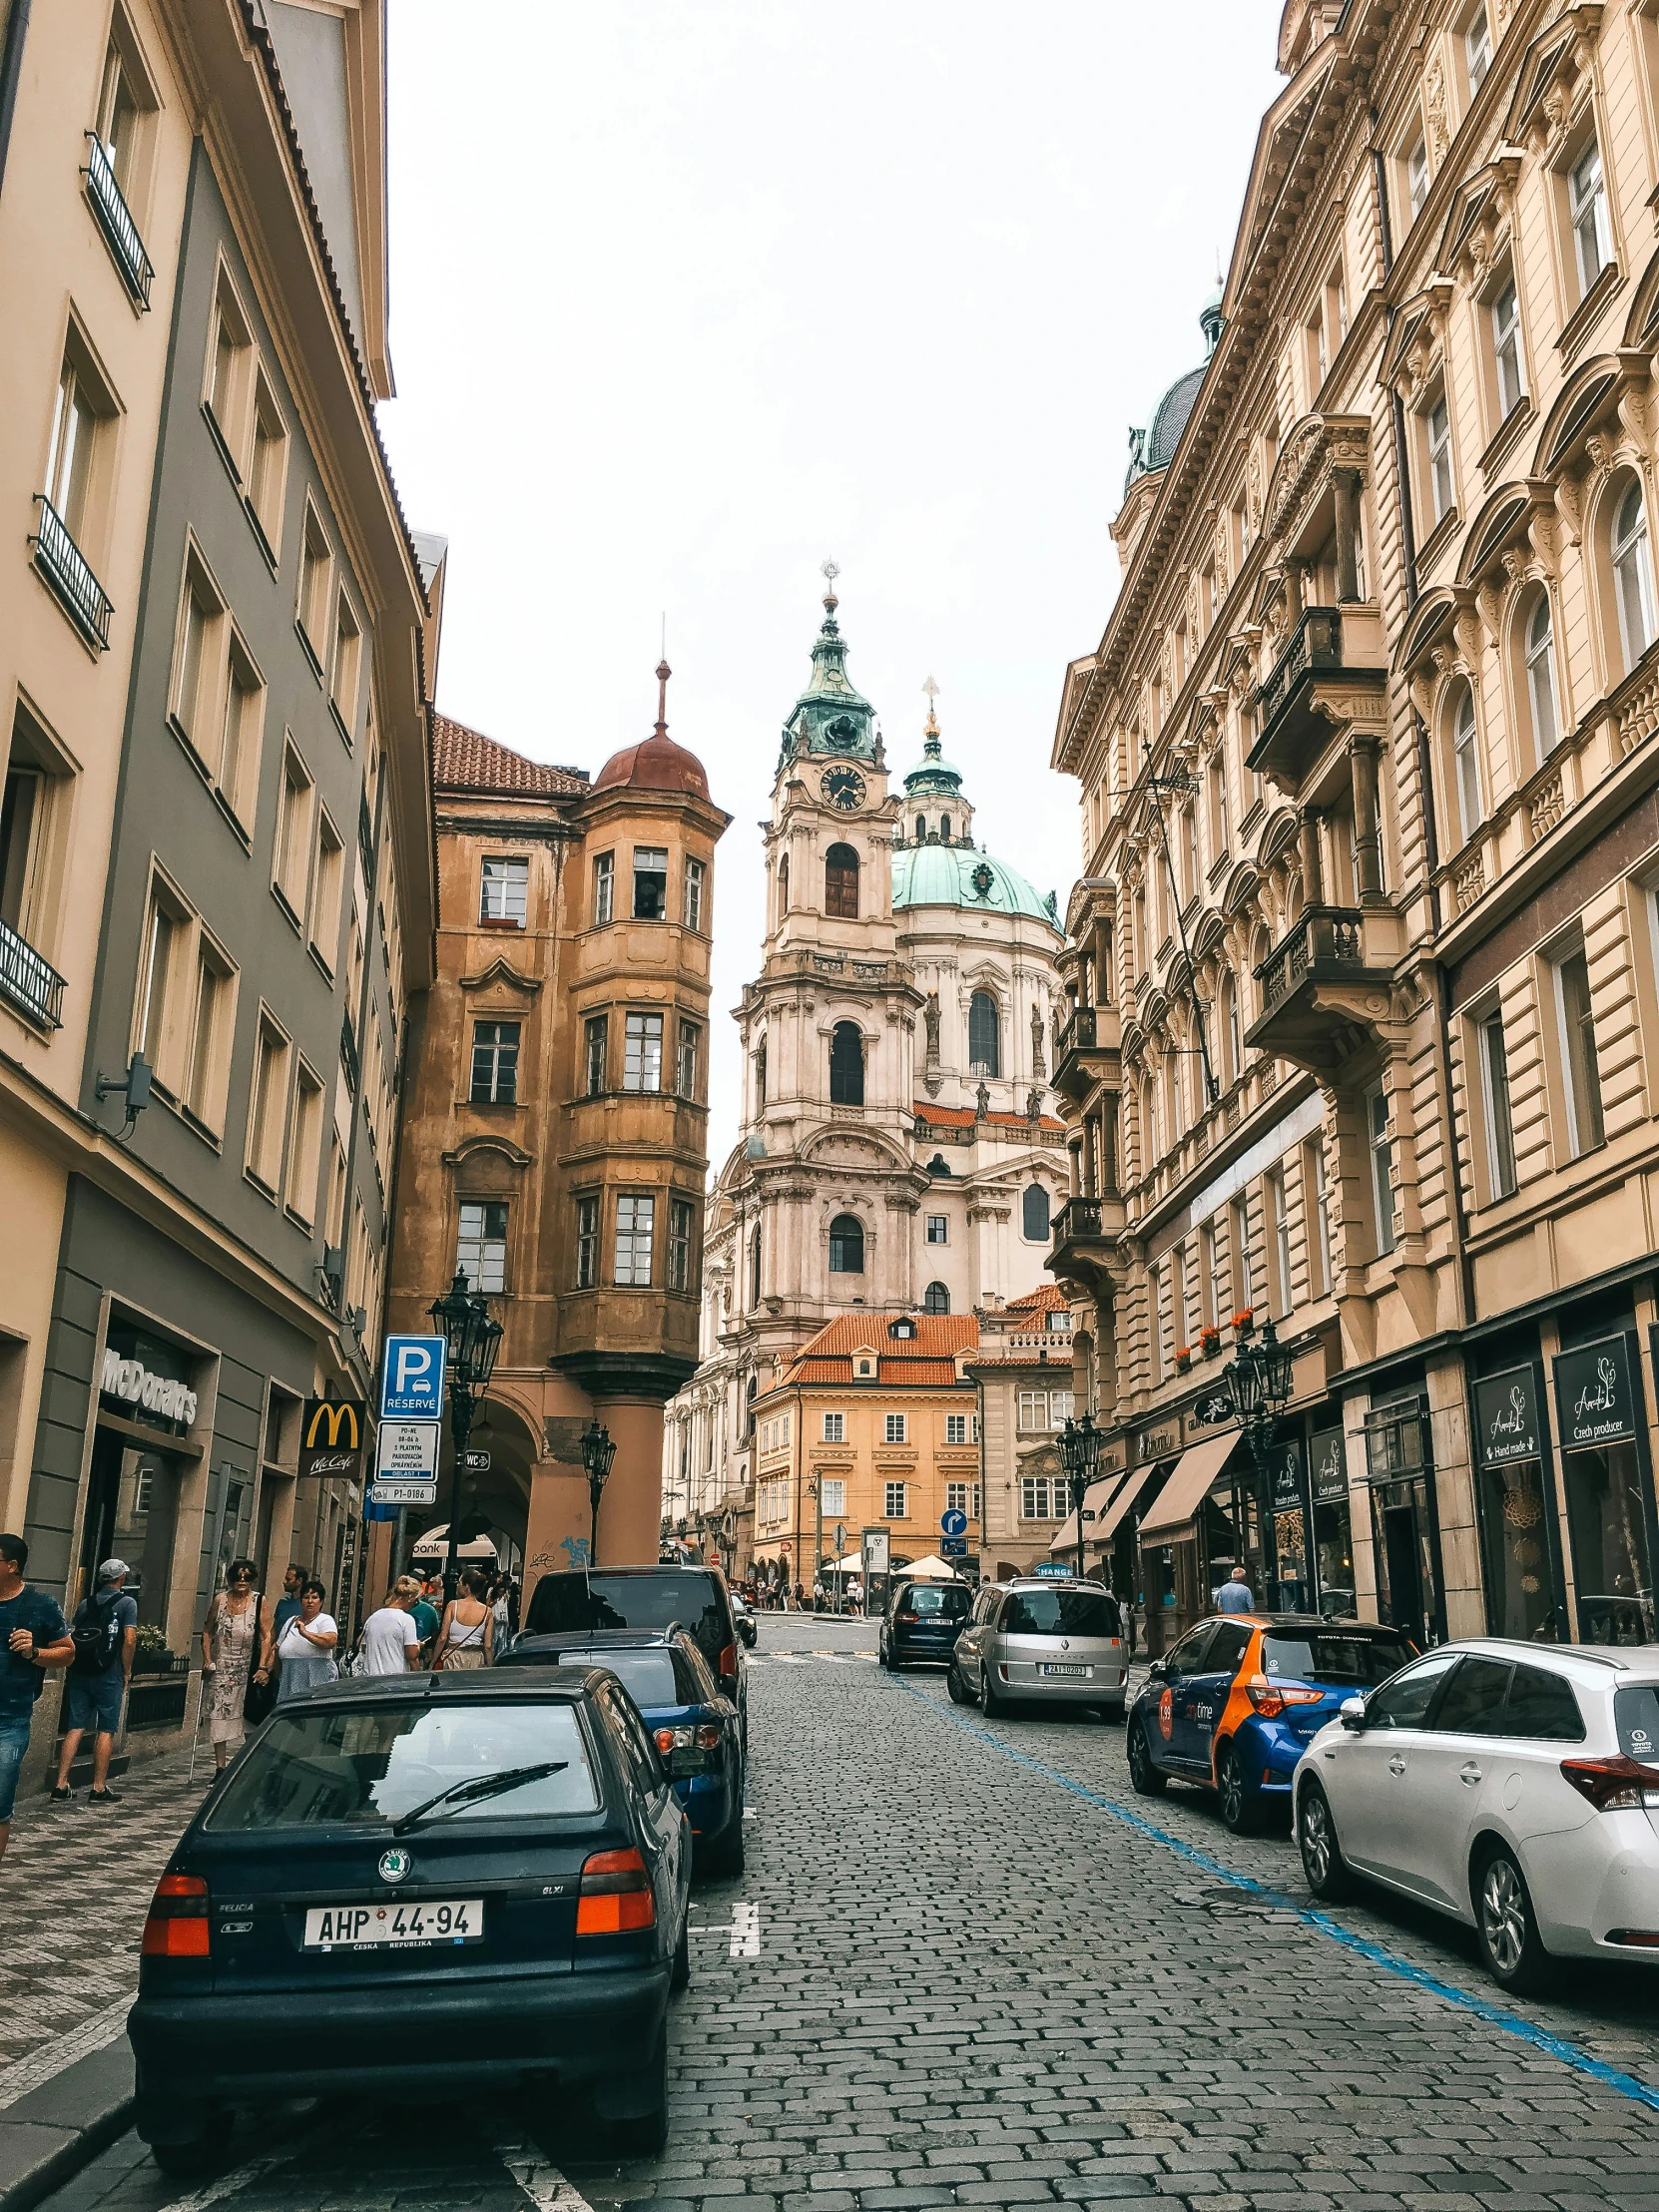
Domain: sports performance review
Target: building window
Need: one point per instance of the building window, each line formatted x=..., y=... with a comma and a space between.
x=1478, y=50
x=935, y=1299
x=1043, y=1499
x=210, y=1041
x=1034, y=1411
x=1279, y=1216
x=76, y=439
x=955, y=1432
x=1316, y=1200
x=1512, y=381
x=893, y=1504
x=1382, y=1151
x=642, y=1059
x=495, y=1063
x=1439, y=459
x=847, y=1064
x=481, y=1246
x=680, y=1217
x=305, y=1146
x=650, y=883
x=348, y=661
x=267, y=464
x=636, y=1222
x=1540, y=676
x=504, y=892
x=938, y=1229
x=595, y=1034
x=893, y=1428
x=1587, y=211
x=317, y=577
x=984, y=1037
x=1465, y=756
x=1633, y=576
x=834, y=1428
x=1500, y=1128
x=1578, y=1052
x=292, y=844
x=755, y=1273
x=1034, y=1214
x=604, y=889
x=831, y=1495
x=1416, y=175
x=1243, y=1273
x=268, y=1106
x=685, y=1066
x=196, y=654
x=840, y=884
x=696, y=873
x=847, y=1245
x=587, y=1242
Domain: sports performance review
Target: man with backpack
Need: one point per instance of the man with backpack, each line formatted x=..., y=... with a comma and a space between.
x=105, y=1633
x=33, y=1636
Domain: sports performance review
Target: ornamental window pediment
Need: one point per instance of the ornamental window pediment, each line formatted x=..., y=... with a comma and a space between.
x=1513, y=540
x=1298, y=491
x=1441, y=644
x=1477, y=230
x=1554, y=80
x=1598, y=426
x=1414, y=361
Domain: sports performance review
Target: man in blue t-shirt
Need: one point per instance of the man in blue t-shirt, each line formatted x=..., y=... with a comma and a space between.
x=98, y=1681
x=33, y=1636
x=1235, y=1594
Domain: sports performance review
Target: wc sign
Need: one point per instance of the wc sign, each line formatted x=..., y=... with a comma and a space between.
x=411, y=1388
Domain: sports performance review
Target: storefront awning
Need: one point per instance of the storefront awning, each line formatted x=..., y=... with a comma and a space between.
x=1172, y=1516
x=1094, y=1501
x=1130, y=1488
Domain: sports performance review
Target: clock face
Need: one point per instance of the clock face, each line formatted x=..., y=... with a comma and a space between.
x=843, y=788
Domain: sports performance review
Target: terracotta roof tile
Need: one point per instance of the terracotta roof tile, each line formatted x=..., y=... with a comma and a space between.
x=465, y=759
x=936, y=1335
x=1047, y=1298
x=963, y=1117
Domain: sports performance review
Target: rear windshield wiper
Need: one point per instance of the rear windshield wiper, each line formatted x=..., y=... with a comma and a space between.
x=480, y=1786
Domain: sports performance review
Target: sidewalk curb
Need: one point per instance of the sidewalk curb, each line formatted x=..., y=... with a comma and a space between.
x=52, y=2132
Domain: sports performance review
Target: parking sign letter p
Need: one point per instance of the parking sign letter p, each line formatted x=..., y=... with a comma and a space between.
x=414, y=1365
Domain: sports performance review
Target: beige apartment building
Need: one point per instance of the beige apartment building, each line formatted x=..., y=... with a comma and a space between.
x=1364, y=1023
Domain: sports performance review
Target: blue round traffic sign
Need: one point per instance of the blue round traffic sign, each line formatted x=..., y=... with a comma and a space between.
x=953, y=1523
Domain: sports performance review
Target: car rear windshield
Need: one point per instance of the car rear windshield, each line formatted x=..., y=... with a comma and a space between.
x=365, y=1766
x=574, y=1604
x=1361, y=1660
x=647, y=1676
x=1636, y=1716
x=1060, y=1613
x=934, y=1601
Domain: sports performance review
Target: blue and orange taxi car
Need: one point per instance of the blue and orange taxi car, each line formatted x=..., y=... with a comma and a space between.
x=1238, y=1700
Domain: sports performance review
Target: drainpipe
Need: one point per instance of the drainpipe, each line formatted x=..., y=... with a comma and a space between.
x=358, y=1105
x=11, y=74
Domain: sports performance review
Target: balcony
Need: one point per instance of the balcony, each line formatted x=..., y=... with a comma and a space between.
x=1328, y=976
x=115, y=220
x=1333, y=667
x=63, y=565
x=29, y=983
x=1085, y=1051
x=1084, y=1239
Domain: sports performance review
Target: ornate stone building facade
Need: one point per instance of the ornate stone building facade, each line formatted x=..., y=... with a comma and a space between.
x=1364, y=1031
x=897, y=1147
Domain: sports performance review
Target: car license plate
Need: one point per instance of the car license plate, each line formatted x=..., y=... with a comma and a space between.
x=410, y=1920
x=1045, y=1667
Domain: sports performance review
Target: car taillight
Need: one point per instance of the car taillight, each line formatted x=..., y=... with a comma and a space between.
x=902, y=1616
x=1613, y=1785
x=178, y=1923
x=616, y=1895
x=674, y=1739
x=728, y=1662
x=1270, y=1698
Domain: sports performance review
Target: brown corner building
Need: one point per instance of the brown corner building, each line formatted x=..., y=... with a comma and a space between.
x=555, y=1146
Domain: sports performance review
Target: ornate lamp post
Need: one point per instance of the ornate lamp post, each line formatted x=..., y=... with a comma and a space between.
x=597, y=1453
x=473, y=1340
x=1260, y=1375
x=1079, y=1449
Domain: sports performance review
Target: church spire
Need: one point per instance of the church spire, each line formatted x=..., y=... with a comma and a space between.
x=831, y=716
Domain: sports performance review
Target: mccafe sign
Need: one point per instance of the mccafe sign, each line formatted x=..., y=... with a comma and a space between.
x=132, y=1381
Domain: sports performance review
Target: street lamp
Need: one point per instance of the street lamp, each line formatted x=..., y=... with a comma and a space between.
x=1079, y=1449
x=473, y=1339
x=597, y=1453
x=1260, y=1375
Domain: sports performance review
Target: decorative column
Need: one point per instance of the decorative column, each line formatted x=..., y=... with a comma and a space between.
x=1345, y=483
x=1363, y=750
x=1109, y=1145
x=1312, y=868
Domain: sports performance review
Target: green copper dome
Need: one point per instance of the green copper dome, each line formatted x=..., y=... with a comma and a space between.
x=934, y=776
x=831, y=717
x=957, y=876
x=1154, y=447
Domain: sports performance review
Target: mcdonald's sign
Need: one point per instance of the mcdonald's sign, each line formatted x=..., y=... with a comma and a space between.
x=331, y=1436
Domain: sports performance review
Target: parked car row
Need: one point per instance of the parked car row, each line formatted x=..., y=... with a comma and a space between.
x=1039, y=1641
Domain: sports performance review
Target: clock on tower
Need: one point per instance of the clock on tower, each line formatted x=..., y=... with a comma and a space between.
x=844, y=789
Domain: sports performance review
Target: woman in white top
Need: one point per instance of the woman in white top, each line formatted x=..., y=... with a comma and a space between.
x=390, y=1641
x=467, y=1636
x=306, y=1649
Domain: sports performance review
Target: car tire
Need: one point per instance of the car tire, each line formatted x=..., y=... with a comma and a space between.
x=959, y=1691
x=1506, y=1926
x=642, y=2133
x=1327, y=1872
x=679, y=1973
x=1146, y=1779
x=726, y=1856
x=1241, y=1808
x=991, y=1704
x=1111, y=1716
x=196, y=2154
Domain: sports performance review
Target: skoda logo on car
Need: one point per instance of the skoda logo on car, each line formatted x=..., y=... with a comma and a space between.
x=395, y=1865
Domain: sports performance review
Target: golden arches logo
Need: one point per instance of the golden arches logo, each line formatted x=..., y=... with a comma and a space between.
x=336, y=1418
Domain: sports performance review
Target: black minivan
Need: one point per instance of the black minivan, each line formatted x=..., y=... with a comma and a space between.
x=582, y=1601
x=923, y=1621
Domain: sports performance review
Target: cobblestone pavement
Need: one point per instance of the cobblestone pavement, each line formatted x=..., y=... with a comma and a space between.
x=985, y=1975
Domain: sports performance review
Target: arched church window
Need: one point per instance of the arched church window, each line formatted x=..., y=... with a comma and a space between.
x=935, y=1299
x=761, y=1075
x=921, y=829
x=784, y=884
x=841, y=882
x=1034, y=1214
x=945, y=829
x=754, y=1280
x=984, y=1042
x=847, y=1064
x=847, y=1245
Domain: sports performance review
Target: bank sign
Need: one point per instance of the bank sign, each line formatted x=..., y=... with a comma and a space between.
x=1506, y=1419
x=1595, y=1396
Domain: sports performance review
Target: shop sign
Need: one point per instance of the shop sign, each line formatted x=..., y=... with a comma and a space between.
x=1594, y=1393
x=332, y=1434
x=1214, y=1407
x=1507, y=1418
x=1287, y=1481
x=135, y=1385
x=1153, y=1444
x=1329, y=1465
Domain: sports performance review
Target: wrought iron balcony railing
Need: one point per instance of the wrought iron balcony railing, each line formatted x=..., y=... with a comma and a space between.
x=1079, y=1220
x=1080, y=1034
x=28, y=980
x=1324, y=937
x=115, y=220
x=64, y=566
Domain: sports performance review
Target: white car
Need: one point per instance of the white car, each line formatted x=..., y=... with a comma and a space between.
x=1514, y=1786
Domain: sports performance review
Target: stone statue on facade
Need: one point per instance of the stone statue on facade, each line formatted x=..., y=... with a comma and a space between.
x=1039, y=1067
x=982, y=1102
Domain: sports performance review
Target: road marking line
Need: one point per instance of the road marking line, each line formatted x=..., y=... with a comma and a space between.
x=542, y=2183
x=51, y=2058
x=1556, y=2046
x=238, y=2179
x=746, y=1931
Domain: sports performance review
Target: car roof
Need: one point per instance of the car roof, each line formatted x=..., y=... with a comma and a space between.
x=606, y=1639
x=609, y=1574
x=466, y=1685
x=1592, y=1665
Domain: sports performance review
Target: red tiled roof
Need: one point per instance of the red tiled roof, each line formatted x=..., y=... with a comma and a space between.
x=926, y=1361
x=908, y=1375
x=963, y=1117
x=465, y=759
x=1047, y=1298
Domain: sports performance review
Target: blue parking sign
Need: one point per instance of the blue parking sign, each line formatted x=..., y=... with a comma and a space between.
x=411, y=1388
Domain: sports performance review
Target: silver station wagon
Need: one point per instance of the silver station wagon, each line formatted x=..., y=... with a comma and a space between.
x=1041, y=1642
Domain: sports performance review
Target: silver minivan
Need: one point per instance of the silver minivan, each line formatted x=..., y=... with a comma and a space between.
x=1044, y=1642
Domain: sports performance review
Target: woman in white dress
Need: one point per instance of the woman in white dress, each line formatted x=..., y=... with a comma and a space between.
x=306, y=1649
x=235, y=1647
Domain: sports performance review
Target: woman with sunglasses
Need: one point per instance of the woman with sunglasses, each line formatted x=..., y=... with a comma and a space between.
x=237, y=1646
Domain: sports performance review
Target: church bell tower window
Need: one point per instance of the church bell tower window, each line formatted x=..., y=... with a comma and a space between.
x=841, y=882
x=847, y=1245
x=847, y=1065
x=984, y=1043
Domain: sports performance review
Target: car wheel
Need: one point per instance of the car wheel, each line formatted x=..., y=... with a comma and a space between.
x=1509, y=1930
x=1145, y=1778
x=959, y=1691
x=1329, y=1874
x=197, y=2154
x=640, y=2128
x=1240, y=1809
x=1111, y=1716
x=680, y=1972
x=990, y=1703
x=725, y=1856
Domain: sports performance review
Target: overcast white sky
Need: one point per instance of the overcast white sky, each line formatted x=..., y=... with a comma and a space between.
x=688, y=298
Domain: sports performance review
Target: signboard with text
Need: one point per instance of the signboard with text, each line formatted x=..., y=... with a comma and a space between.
x=1507, y=1422
x=1595, y=1394
x=332, y=1432
x=411, y=1386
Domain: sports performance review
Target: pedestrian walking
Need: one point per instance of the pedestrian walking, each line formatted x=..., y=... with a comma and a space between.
x=467, y=1635
x=390, y=1642
x=503, y=1630
x=308, y=1648
x=238, y=1648
x=425, y=1613
x=105, y=1634
x=294, y=1581
x=33, y=1636
x=1235, y=1595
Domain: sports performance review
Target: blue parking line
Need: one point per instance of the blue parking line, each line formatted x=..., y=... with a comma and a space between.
x=1555, y=2047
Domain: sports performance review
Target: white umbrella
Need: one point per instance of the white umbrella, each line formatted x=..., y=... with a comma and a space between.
x=930, y=1569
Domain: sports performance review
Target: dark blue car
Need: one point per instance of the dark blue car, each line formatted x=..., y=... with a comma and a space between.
x=1237, y=1702
x=695, y=1730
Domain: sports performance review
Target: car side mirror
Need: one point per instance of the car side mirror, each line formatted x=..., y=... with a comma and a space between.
x=1159, y=1670
x=1351, y=1714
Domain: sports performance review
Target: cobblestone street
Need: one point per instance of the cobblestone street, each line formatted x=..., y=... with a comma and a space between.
x=966, y=1966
